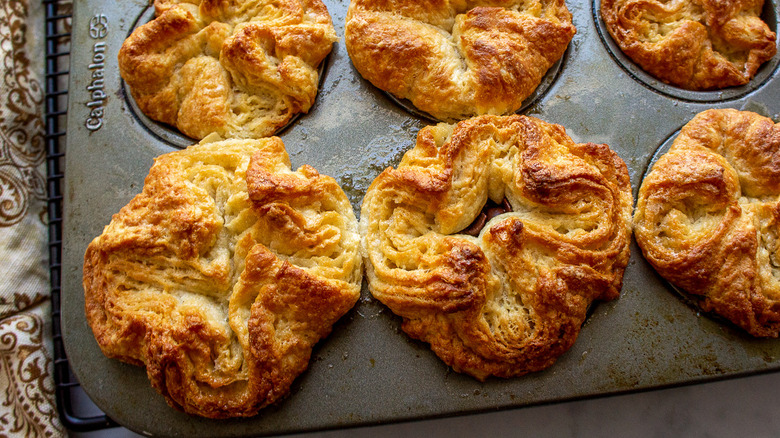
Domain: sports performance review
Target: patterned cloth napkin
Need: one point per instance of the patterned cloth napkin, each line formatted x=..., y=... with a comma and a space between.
x=27, y=406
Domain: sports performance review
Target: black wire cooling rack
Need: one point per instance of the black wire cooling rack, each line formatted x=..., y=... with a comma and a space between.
x=67, y=389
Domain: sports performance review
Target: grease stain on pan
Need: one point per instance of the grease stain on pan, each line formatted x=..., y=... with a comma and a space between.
x=374, y=156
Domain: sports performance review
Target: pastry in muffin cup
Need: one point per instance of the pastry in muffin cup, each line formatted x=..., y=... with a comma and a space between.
x=241, y=69
x=696, y=45
x=222, y=274
x=511, y=299
x=708, y=217
x=455, y=60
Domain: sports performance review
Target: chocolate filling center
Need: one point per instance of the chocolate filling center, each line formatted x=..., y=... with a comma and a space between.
x=489, y=211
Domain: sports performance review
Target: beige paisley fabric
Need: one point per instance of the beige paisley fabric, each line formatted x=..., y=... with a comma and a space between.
x=27, y=407
x=25, y=377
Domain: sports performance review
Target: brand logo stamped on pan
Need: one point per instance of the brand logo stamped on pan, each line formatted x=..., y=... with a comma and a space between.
x=98, y=30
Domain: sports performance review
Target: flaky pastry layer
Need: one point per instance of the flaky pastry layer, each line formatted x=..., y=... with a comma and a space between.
x=222, y=274
x=511, y=300
x=241, y=68
x=708, y=217
x=455, y=59
x=692, y=44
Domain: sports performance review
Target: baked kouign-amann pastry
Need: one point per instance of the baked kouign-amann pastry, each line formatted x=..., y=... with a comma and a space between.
x=708, y=217
x=222, y=275
x=456, y=59
x=240, y=68
x=512, y=299
x=693, y=44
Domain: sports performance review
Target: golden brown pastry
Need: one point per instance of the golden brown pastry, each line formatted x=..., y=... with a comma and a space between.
x=692, y=44
x=512, y=299
x=240, y=68
x=456, y=59
x=708, y=217
x=222, y=274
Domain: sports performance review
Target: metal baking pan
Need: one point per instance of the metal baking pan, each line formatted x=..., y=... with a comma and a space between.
x=368, y=371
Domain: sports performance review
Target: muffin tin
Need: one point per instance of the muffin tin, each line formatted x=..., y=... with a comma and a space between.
x=368, y=371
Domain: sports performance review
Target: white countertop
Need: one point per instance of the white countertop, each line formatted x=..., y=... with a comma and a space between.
x=742, y=407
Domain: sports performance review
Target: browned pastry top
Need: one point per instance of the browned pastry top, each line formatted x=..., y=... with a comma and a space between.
x=240, y=68
x=692, y=44
x=222, y=274
x=708, y=216
x=453, y=58
x=512, y=299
